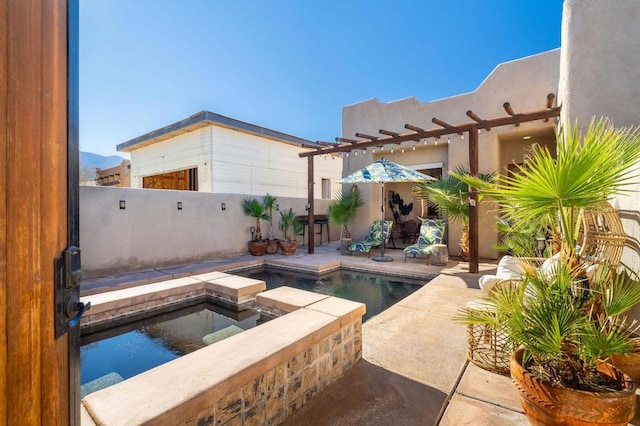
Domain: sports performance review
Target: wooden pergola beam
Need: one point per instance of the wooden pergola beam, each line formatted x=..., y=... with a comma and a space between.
x=365, y=136
x=349, y=141
x=414, y=128
x=507, y=107
x=435, y=133
x=388, y=133
x=475, y=117
x=550, y=98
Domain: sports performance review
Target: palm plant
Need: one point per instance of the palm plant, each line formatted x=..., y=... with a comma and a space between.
x=270, y=202
x=289, y=224
x=566, y=322
x=521, y=239
x=253, y=208
x=586, y=172
x=450, y=196
x=343, y=210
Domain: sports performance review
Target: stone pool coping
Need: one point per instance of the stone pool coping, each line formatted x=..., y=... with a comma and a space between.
x=261, y=375
x=110, y=307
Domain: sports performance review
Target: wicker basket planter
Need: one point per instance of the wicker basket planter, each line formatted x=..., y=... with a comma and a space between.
x=547, y=404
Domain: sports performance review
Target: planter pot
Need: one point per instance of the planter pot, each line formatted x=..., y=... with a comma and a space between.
x=548, y=404
x=344, y=246
x=257, y=248
x=629, y=364
x=288, y=247
x=272, y=246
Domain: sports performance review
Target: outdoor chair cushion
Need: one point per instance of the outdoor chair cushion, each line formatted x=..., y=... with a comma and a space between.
x=374, y=238
x=508, y=267
x=431, y=232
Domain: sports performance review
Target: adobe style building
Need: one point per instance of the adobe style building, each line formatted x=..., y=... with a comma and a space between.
x=119, y=175
x=595, y=73
x=208, y=152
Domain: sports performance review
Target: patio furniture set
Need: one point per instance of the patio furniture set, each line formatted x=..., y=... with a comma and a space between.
x=429, y=242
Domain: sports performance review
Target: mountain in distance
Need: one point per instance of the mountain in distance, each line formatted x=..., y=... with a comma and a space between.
x=89, y=160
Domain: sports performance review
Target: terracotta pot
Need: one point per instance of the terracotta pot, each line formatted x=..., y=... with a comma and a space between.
x=629, y=364
x=272, y=246
x=344, y=246
x=257, y=248
x=288, y=247
x=548, y=404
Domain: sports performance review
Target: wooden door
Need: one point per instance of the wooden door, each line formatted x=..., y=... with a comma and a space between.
x=34, y=365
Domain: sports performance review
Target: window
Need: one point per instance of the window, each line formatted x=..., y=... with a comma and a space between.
x=326, y=189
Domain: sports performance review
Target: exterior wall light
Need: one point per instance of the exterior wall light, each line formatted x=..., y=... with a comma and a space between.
x=122, y=204
x=179, y=205
x=223, y=206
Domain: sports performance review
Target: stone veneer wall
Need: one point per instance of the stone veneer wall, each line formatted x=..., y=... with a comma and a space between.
x=272, y=397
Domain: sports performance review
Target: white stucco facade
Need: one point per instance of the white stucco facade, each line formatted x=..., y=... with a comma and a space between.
x=600, y=76
x=233, y=161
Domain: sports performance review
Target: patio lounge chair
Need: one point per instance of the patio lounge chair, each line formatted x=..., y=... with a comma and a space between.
x=431, y=234
x=374, y=239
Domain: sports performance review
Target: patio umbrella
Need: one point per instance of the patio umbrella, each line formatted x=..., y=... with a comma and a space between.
x=385, y=171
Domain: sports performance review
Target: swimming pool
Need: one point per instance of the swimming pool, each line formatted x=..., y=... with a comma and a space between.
x=378, y=292
x=124, y=351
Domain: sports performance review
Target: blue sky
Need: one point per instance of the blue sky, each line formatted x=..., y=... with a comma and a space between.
x=288, y=65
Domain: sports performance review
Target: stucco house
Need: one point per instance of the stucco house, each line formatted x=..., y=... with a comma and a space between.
x=209, y=152
x=501, y=148
x=595, y=73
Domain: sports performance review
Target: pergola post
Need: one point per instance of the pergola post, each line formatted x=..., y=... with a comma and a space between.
x=473, y=201
x=311, y=220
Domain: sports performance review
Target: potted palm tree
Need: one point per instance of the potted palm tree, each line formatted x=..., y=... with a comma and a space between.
x=450, y=197
x=253, y=208
x=290, y=227
x=342, y=211
x=270, y=202
x=566, y=324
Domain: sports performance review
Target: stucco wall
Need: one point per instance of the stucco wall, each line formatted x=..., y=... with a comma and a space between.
x=524, y=83
x=186, y=151
x=152, y=232
x=600, y=76
x=235, y=162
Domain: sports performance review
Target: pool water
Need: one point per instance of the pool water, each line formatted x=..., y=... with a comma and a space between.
x=125, y=351
x=131, y=349
x=378, y=292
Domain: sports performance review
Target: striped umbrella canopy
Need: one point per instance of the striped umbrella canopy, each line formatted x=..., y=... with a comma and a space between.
x=385, y=171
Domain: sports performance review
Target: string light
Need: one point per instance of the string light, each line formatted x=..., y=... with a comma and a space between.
x=355, y=152
x=373, y=149
x=414, y=147
x=403, y=149
x=347, y=155
x=436, y=142
x=448, y=141
x=462, y=136
x=392, y=150
x=425, y=142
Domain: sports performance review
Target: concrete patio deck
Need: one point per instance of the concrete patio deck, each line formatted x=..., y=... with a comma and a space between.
x=413, y=369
